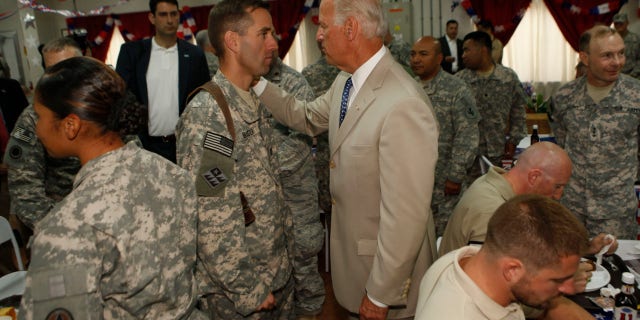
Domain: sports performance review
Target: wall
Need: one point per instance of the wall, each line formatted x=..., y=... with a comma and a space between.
x=429, y=18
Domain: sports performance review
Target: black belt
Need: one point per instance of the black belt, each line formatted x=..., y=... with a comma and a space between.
x=162, y=139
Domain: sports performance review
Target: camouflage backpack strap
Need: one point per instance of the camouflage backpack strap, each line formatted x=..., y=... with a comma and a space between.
x=217, y=94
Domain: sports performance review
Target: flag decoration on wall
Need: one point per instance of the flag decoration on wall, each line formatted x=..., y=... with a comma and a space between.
x=7, y=14
x=69, y=13
x=187, y=27
x=603, y=8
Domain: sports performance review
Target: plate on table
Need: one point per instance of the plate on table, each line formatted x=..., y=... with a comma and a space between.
x=599, y=278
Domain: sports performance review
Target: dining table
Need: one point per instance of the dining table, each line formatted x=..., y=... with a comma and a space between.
x=625, y=259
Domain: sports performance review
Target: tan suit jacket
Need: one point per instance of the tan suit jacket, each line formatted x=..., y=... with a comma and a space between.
x=382, y=173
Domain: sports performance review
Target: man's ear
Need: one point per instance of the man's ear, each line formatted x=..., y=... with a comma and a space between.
x=584, y=58
x=512, y=270
x=231, y=41
x=152, y=18
x=351, y=28
x=533, y=175
x=71, y=125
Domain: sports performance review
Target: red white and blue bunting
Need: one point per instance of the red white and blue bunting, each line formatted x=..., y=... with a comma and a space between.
x=187, y=27
x=7, y=14
x=603, y=8
x=69, y=13
x=468, y=7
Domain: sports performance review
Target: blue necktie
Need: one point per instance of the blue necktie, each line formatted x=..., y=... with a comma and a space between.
x=345, y=100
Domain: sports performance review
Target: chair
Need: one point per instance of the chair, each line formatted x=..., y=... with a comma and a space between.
x=13, y=283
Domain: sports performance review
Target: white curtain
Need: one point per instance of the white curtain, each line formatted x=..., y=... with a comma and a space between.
x=538, y=51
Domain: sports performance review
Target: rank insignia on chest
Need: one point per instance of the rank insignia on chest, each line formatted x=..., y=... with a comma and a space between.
x=218, y=143
x=248, y=133
x=214, y=177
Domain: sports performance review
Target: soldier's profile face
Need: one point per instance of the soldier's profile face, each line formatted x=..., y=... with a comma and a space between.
x=604, y=60
x=538, y=287
x=471, y=54
x=257, y=44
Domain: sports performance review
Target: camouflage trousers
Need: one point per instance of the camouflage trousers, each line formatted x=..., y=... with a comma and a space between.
x=322, y=172
x=218, y=306
x=622, y=228
x=300, y=189
x=442, y=208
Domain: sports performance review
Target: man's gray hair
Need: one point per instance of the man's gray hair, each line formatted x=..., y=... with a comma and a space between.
x=202, y=38
x=60, y=44
x=369, y=14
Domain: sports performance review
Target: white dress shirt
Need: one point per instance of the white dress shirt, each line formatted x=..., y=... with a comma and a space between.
x=162, y=90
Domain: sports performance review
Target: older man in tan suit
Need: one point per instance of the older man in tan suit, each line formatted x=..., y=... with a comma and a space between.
x=383, y=139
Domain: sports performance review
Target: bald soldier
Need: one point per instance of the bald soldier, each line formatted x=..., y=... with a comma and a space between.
x=458, y=117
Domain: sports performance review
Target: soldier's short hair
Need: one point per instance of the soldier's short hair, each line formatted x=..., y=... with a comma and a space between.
x=451, y=21
x=60, y=44
x=479, y=37
x=536, y=230
x=231, y=15
x=369, y=14
x=598, y=31
x=153, y=4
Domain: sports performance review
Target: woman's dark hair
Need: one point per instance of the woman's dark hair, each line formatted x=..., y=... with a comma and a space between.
x=94, y=92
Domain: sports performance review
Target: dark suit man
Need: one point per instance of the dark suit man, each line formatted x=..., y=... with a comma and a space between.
x=382, y=159
x=192, y=71
x=452, y=61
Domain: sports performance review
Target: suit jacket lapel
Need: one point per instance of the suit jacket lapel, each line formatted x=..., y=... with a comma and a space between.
x=361, y=102
x=142, y=70
x=183, y=73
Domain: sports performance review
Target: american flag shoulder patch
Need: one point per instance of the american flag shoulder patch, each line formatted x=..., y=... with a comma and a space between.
x=218, y=143
x=22, y=134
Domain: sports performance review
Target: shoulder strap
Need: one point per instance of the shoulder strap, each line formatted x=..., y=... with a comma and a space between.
x=217, y=94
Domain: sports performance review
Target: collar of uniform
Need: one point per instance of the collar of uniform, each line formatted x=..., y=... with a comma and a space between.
x=482, y=301
x=495, y=178
x=156, y=47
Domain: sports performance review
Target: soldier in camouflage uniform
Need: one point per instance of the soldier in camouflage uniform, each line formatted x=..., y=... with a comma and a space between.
x=300, y=187
x=320, y=76
x=499, y=98
x=202, y=39
x=631, y=45
x=596, y=120
x=458, y=119
x=36, y=180
x=400, y=50
x=245, y=237
x=122, y=244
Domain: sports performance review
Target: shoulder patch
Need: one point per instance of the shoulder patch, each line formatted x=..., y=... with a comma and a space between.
x=23, y=134
x=59, y=314
x=15, y=152
x=218, y=143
